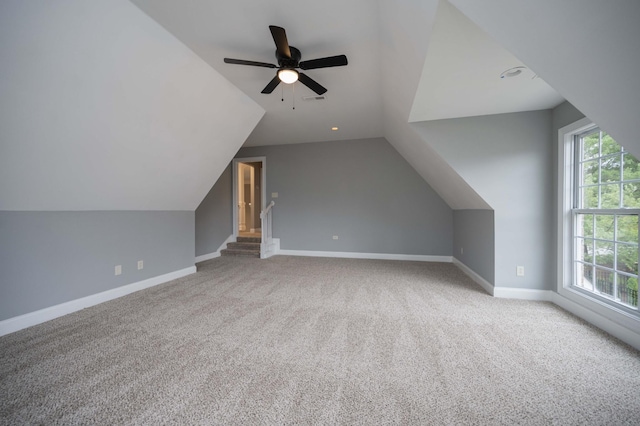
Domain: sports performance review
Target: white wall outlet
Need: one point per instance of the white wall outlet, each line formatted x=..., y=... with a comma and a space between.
x=140, y=264
x=335, y=237
x=461, y=250
x=118, y=269
x=274, y=195
x=520, y=271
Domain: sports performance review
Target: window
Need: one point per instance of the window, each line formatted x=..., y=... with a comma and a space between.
x=605, y=196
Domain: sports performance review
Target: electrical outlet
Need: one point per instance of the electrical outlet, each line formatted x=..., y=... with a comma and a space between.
x=335, y=237
x=461, y=250
x=520, y=271
x=274, y=195
x=118, y=269
x=140, y=264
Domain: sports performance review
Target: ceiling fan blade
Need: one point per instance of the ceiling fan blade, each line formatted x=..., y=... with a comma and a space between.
x=252, y=63
x=272, y=85
x=331, y=61
x=280, y=38
x=311, y=83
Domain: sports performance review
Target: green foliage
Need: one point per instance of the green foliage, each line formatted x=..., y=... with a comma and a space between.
x=610, y=179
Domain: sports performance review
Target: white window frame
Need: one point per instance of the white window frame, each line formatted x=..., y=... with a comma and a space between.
x=592, y=303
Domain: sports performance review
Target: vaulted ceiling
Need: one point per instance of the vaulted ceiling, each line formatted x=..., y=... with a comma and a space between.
x=107, y=105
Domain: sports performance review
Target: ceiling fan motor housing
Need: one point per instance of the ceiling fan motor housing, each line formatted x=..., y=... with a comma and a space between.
x=291, y=62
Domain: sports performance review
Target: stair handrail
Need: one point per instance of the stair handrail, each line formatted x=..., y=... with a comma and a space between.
x=266, y=218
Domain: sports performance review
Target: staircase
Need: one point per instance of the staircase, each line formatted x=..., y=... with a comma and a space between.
x=244, y=246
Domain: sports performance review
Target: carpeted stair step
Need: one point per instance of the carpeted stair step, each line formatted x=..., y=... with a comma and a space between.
x=249, y=240
x=240, y=253
x=245, y=247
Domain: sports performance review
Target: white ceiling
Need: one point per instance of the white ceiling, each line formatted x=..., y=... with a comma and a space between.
x=588, y=50
x=461, y=74
x=105, y=109
x=239, y=29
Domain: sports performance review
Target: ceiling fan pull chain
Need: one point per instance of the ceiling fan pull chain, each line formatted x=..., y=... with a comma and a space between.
x=282, y=93
x=294, y=95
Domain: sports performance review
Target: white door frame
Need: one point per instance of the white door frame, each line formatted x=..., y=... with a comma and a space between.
x=263, y=189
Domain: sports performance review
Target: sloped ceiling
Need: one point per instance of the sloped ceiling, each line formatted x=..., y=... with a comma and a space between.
x=405, y=27
x=588, y=50
x=103, y=109
x=240, y=29
x=461, y=76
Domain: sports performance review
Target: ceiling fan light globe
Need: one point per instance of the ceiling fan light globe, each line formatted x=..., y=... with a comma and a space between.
x=288, y=76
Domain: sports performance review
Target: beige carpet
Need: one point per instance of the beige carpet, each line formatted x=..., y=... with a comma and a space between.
x=318, y=341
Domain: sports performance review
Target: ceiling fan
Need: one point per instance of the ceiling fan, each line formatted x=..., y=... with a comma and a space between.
x=288, y=60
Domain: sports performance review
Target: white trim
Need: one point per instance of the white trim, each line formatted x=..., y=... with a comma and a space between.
x=486, y=285
x=522, y=293
x=267, y=250
x=33, y=318
x=616, y=330
x=208, y=256
x=614, y=321
x=354, y=255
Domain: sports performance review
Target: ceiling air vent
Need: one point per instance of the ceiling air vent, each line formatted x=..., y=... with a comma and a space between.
x=314, y=98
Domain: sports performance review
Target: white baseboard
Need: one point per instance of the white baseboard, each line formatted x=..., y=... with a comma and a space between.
x=354, y=255
x=202, y=258
x=522, y=293
x=486, y=285
x=616, y=330
x=33, y=318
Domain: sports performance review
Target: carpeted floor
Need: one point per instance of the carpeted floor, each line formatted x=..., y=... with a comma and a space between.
x=293, y=340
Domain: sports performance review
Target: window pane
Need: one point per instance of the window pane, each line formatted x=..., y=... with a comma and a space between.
x=610, y=169
x=631, y=195
x=584, y=225
x=609, y=146
x=591, y=146
x=630, y=167
x=604, y=254
x=610, y=196
x=606, y=241
x=590, y=172
x=628, y=258
x=589, y=197
x=628, y=229
x=584, y=276
x=604, y=281
x=628, y=290
x=604, y=227
x=584, y=250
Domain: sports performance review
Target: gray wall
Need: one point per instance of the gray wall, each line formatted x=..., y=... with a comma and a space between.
x=473, y=241
x=47, y=258
x=508, y=161
x=362, y=190
x=214, y=216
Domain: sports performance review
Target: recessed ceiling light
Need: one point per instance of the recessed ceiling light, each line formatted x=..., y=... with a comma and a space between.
x=512, y=72
x=334, y=128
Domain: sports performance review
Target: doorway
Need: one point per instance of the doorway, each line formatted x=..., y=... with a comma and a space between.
x=249, y=195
